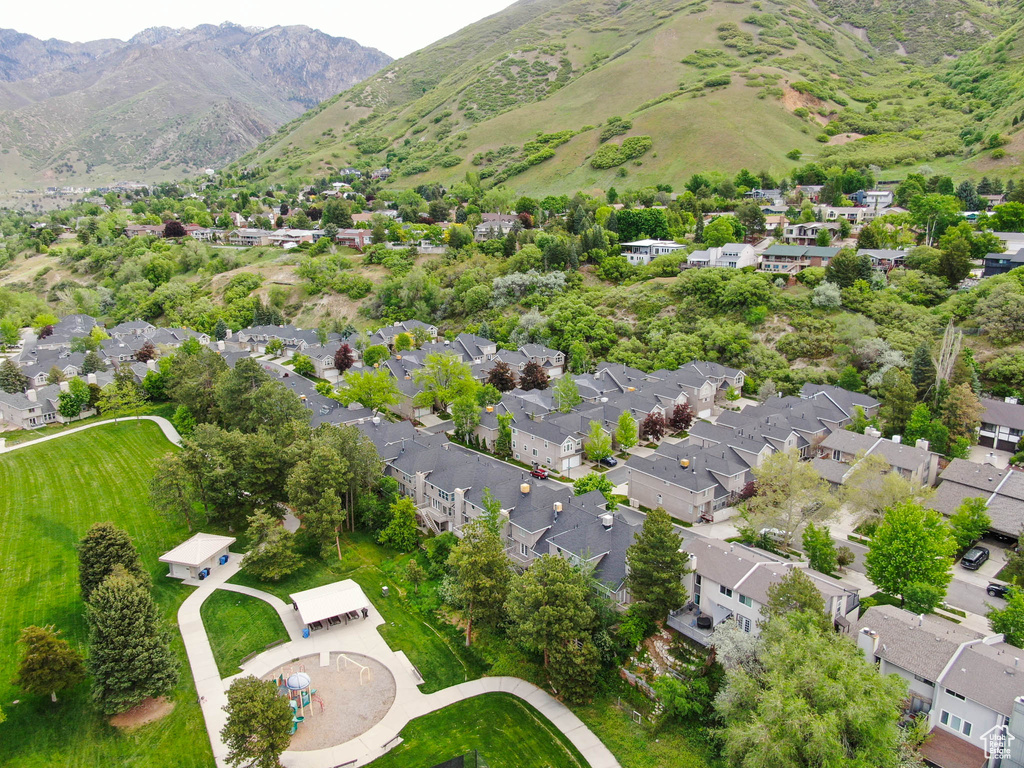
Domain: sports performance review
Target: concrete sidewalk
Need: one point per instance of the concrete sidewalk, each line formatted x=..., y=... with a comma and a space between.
x=165, y=426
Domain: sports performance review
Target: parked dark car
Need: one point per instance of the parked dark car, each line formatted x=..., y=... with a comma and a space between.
x=998, y=590
x=540, y=473
x=609, y=461
x=974, y=558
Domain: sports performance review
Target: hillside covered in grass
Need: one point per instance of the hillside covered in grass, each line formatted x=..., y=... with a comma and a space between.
x=558, y=95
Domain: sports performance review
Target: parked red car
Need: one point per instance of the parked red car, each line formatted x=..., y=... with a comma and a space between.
x=540, y=473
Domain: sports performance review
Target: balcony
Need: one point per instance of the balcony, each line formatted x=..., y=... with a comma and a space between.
x=685, y=622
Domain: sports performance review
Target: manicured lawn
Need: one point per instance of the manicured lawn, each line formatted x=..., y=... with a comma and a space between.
x=238, y=625
x=50, y=495
x=28, y=435
x=434, y=648
x=506, y=731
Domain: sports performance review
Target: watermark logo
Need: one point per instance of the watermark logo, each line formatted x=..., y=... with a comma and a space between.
x=997, y=742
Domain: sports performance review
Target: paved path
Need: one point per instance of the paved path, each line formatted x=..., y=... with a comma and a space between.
x=165, y=426
x=356, y=637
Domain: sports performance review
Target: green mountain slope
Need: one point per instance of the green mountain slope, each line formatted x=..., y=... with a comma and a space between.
x=533, y=94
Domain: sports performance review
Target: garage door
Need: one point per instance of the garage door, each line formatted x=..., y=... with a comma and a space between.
x=574, y=461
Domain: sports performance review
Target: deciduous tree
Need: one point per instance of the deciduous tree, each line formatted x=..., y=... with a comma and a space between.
x=789, y=493
x=626, y=431
x=682, y=417
x=819, y=548
x=912, y=545
x=565, y=394
x=442, y=379
x=598, y=444
x=343, y=358
x=533, y=377
x=271, y=554
x=1009, y=621
x=465, y=412
x=400, y=533
x=652, y=427
x=501, y=377
x=795, y=593
x=372, y=389
x=969, y=522
x=961, y=412
x=259, y=722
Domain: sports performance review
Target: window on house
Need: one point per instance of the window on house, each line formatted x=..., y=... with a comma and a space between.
x=956, y=695
x=534, y=451
x=517, y=456
x=513, y=443
x=956, y=723
x=725, y=590
x=924, y=680
x=696, y=579
x=746, y=601
x=524, y=549
x=744, y=622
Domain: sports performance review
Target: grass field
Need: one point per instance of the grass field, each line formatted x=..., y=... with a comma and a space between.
x=238, y=625
x=435, y=649
x=507, y=732
x=51, y=494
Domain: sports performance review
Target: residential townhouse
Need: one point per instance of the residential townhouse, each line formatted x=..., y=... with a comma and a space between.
x=290, y=238
x=846, y=449
x=255, y=339
x=730, y=582
x=386, y=335
x=70, y=327
x=730, y=255
x=1002, y=424
x=402, y=368
x=689, y=482
x=354, y=238
x=551, y=360
x=1001, y=489
x=543, y=443
x=872, y=198
x=131, y=329
x=494, y=225
x=1001, y=263
x=641, y=252
x=38, y=364
x=37, y=407
x=967, y=684
x=447, y=484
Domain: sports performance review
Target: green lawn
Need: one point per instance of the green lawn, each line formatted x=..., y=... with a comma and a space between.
x=435, y=648
x=28, y=435
x=51, y=494
x=507, y=732
x=238, y=625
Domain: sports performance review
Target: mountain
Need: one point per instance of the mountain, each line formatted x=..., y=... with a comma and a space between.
x=163, y=104
x=561, y=95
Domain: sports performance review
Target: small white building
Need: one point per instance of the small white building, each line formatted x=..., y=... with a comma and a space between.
x=195, y=558
x=731, y=255
x=330, y=603
x=641, y=252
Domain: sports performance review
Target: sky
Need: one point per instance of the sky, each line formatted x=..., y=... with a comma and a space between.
x=397, y=27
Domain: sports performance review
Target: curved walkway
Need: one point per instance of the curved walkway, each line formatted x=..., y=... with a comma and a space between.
x=359, y=637
x=165, y=426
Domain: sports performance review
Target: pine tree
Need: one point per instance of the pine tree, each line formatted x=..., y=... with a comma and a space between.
x=656, y=567
x=482, y=574
x=104, y=547
x=272, y=552
x=12, y=380
x=220, y=330
x=549, y=605
x=130, y=656
x=48, y=663
x=922, y=369
x=899, y=396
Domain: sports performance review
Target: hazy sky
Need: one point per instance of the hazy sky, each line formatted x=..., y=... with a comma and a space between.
x=396, y=27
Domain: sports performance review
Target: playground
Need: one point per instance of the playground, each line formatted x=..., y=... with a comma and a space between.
x=336, y=702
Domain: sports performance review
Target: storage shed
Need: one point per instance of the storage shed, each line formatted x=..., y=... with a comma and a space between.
x=195, y=558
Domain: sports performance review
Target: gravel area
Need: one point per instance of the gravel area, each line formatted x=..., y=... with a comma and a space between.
x=349, y=709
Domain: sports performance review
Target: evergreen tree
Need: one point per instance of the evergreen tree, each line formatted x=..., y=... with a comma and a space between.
x=846, y=268
x=12, y=380
x=503, y=442
x=573, y=670
x=220, y=330
x=922, y=369
x=549, y=605
x=919, y=425
x=481, y=570
x=796, y=593
x=656, y=567
x=93, y=363
x=272, y=552
x=899, y=397
x=104, y=547
x=48, y=663
x=130, y=655
x=259, y=723
x=961, y=412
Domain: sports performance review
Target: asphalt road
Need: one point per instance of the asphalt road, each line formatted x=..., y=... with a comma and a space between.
x=961, y=593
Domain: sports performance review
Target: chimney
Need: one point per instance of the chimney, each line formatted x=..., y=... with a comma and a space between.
x=606, y=521
x=867, y=641
x=65, y=387
x=220, y=346
x=31, y=395
x=90, y=378
x=872, y=432
x=923, y=444
x=897, y=439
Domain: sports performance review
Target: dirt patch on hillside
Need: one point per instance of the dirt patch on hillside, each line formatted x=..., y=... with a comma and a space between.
x=148, y=711
x=794, y=100
x=845, y=138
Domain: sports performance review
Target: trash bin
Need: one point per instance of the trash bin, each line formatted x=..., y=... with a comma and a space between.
x=305, y=631
x=384, y=591
x=223, y=559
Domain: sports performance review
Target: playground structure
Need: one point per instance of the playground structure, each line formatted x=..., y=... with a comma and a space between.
x=363, y=669
x=297, y=687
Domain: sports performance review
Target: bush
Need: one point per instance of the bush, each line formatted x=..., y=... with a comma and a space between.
x=717, y=81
